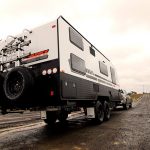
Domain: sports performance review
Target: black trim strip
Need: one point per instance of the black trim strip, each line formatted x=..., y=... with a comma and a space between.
x=99, y=80
x=91, y=77
x=58, y=40
x=102, y=78
x=59, y=87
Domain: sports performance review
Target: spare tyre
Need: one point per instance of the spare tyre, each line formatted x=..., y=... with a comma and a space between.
x=1, y=84
x=2, y=97
x=18, y=84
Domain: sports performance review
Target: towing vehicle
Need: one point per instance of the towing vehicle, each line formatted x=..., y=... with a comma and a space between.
x=125, y=100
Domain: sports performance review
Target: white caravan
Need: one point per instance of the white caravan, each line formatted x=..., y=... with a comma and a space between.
x=56, y=69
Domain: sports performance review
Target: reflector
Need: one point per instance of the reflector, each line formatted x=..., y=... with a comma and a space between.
x=51, y=93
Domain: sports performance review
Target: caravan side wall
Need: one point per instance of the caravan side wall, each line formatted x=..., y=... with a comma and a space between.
x=81, y=76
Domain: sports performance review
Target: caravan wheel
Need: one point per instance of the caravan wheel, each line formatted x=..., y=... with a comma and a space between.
x=62, y=116
x=99, y=112
x=51, y=118
x=3, y=101
x=106, y=111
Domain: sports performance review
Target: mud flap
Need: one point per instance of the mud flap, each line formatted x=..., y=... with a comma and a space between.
x=90, y=112
x=43, y=115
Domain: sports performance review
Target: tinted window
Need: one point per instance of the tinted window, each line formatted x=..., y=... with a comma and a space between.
x=113, y=76
x=77, y=64
x=75, y=38
x=92, y=51
x=103, y=68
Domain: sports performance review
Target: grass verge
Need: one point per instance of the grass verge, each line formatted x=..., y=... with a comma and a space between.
x=135, y=97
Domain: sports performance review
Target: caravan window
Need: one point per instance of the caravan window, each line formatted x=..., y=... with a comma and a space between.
x=75, y=38
x=77, y=64
x=103, y=68
x=113, y=75
x=92, y=51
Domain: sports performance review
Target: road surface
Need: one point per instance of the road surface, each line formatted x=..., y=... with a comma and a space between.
x=126, y=130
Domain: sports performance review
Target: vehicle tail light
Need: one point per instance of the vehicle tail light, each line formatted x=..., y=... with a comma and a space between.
x=54, y=70
x=51, y=93
x=44, y=72
x=49, y=71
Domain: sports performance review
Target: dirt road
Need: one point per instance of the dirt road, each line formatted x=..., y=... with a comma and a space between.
x=126, y=130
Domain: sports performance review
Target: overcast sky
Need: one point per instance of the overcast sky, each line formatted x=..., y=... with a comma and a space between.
x=118, y=28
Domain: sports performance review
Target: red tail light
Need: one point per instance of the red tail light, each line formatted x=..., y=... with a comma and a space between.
x=51, y=93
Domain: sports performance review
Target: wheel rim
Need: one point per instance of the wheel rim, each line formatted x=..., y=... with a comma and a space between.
x=107, y=112
x=101, y=115
x=15, y=84
x=99, y=112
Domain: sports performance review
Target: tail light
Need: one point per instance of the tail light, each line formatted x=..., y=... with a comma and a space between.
x=44, y=72
x=49, y=71
x=51, y=93
x=54, y=70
